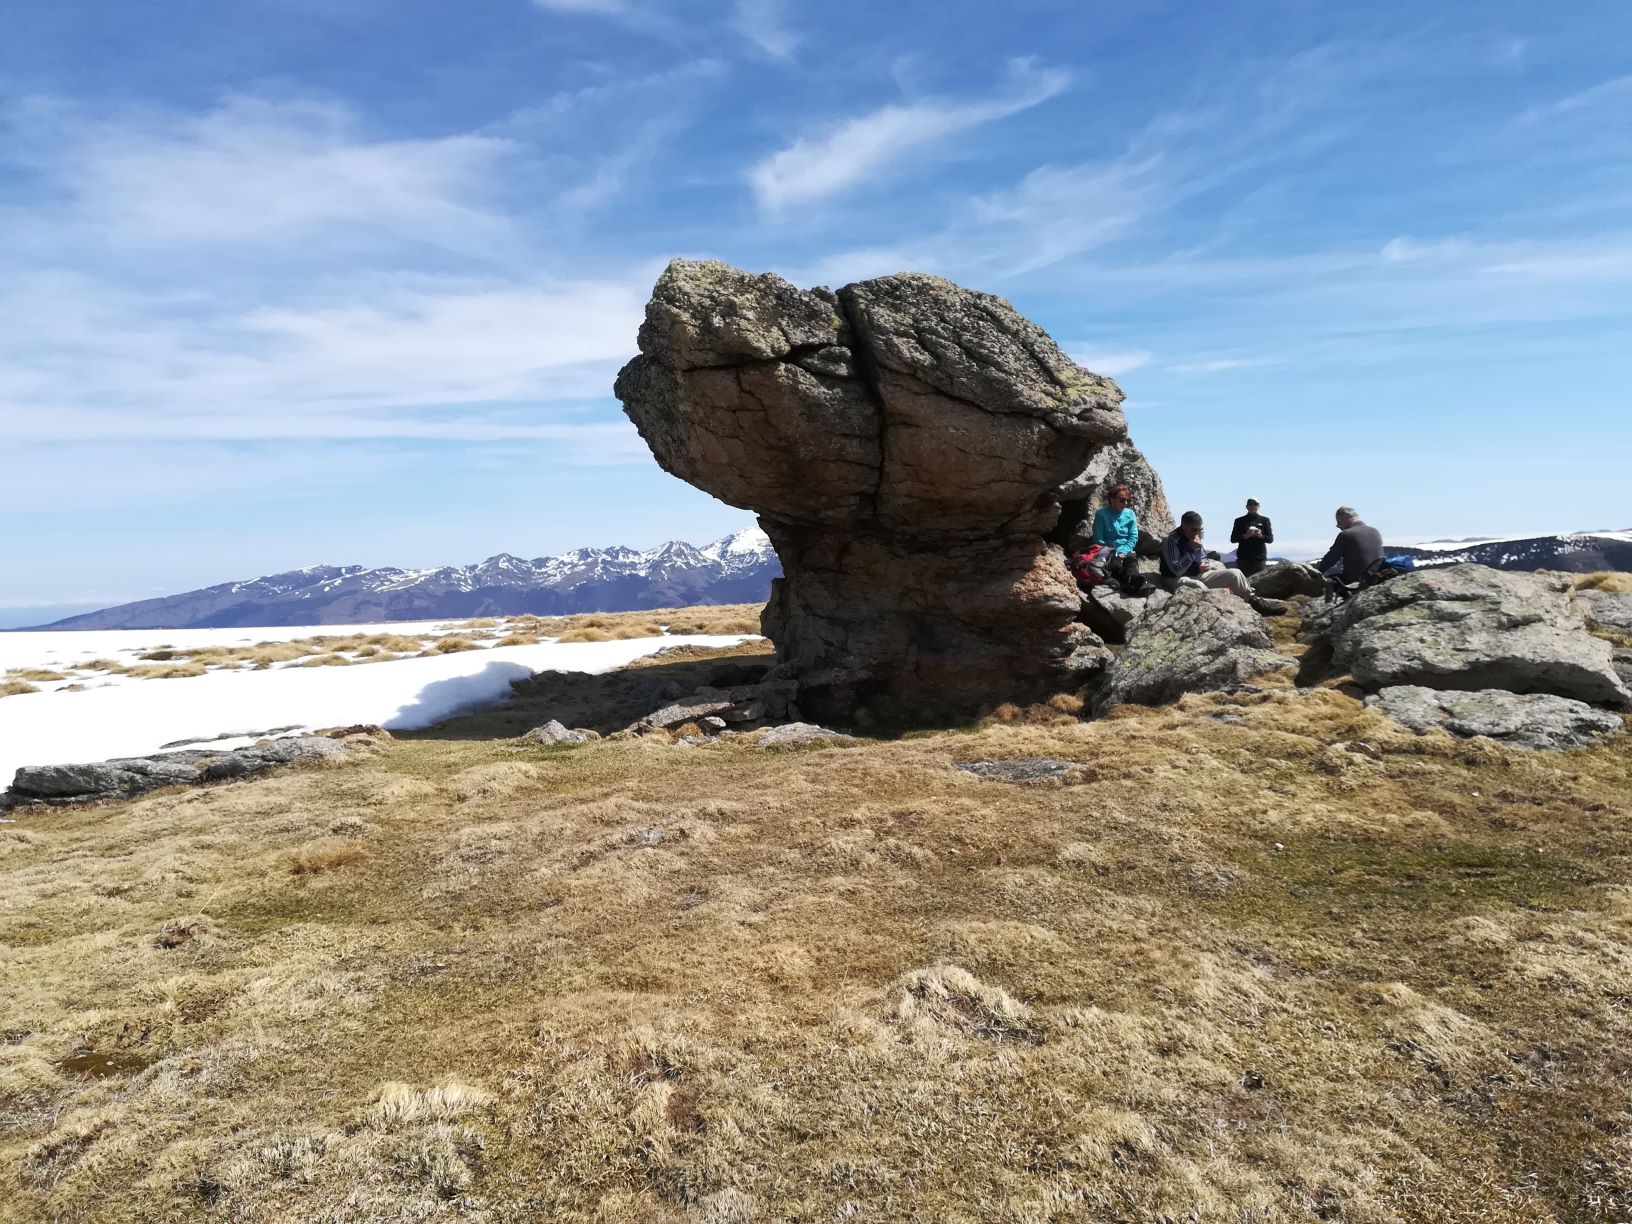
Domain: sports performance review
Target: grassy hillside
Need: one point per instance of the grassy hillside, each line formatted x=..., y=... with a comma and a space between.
x=1265, y=957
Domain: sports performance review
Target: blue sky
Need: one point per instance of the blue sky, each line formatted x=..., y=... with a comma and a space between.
x=292, y=281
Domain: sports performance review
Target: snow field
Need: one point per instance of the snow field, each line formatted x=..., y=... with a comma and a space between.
x=134, y=718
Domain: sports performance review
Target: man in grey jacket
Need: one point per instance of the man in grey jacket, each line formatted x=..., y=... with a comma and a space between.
x=1356, y=551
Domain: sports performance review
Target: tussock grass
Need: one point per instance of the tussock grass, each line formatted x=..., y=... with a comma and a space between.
x=16, y=688
x=42, y=674
x=1301, y=964
x=1605, y=580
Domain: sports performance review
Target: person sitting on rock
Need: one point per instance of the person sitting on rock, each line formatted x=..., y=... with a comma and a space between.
x=1357, y=551
x=1185, y=564
x=1116, y=528
x=1252, y=535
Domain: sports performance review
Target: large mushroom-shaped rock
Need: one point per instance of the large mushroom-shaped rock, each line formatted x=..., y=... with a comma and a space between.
x=1197, y=642
x=1528, y=720
x=904, y=442
x=1472, y=627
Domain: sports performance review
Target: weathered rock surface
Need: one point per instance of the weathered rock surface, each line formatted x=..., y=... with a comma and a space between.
x=123, y=778
x=795, y=734
x=1470, y=627
x=1530, y=720
x=1112, y=615
x=1117, y=463
x=554, y=732
x=904, y=442
x=1621, y=660
x=1607, y=610
x=1285, y=579
x=1198, y=642
x=1023, y=771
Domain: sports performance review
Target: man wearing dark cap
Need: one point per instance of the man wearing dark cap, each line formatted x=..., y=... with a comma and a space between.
x=1252, y=535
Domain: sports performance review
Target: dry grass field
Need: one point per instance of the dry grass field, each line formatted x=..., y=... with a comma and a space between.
x=1261, y=958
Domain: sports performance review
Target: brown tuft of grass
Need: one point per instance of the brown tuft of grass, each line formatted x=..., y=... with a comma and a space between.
x=586, y=634
x=42, y=674
x=452, y=645
x=16, y=688
x=167, y=671
x=1605, y=580
x=104, y=665
x=520, y=639
x=327, y=660
x=326, y=854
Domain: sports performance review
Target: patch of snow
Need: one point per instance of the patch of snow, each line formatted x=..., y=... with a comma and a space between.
x=133, y=719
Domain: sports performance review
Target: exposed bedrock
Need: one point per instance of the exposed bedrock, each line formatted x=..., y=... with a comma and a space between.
x=907, y=444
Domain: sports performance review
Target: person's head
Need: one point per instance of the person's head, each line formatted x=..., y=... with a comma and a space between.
x=1252, y=505
x=1190, y=523
x=1119, y=497
x=1346, y=517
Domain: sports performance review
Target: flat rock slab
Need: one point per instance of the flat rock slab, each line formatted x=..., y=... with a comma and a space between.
x=791, y=734
x=124, y=778
x=1471, y=627
x=1197, y=642
x=1530, y=720
x=1022, y=770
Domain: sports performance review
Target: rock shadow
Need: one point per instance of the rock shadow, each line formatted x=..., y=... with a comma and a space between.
x=606, y=702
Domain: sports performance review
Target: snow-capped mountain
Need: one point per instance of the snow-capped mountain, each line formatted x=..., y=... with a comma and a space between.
x=1580, y=553
x=737, y=569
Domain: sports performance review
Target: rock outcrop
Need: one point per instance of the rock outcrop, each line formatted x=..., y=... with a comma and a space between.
x=1197, y=642
x=1529, y=720
x=1470, y=627
x=1285, y=579
x=1609, y=611
x=125, y=778
x=906, y=444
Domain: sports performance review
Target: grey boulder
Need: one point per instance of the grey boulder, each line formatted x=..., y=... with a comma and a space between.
x=1471, y=627
x=554, y=732
x=797, y=733
x=1610, y=611
x=1529, y=720
x=1197, y=642
x=126, y=777
x=1112, y=615
x=1285, y=579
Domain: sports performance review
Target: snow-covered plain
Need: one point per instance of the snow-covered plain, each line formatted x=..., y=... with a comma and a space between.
x=128, y=717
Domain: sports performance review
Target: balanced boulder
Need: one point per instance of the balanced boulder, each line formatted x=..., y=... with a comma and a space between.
x=1197, y=642
x=905, y=442
x=1285, y=579
x=1471, y=627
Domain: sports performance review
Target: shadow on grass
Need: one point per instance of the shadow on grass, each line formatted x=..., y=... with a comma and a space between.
x=606, y=702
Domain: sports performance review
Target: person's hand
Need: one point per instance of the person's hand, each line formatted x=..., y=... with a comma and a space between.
x=1253, y=531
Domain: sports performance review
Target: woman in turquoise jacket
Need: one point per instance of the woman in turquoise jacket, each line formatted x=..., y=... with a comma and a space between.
x=1116, y=527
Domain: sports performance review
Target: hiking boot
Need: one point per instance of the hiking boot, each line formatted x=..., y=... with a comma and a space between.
x=1269, y=607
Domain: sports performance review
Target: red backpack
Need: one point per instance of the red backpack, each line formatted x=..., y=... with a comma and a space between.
x=1088, y=568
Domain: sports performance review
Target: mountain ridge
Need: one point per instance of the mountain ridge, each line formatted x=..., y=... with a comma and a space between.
x=737, y=568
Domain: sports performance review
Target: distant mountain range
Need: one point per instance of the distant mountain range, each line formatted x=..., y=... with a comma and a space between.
x=1582, y=553
x=737, y=569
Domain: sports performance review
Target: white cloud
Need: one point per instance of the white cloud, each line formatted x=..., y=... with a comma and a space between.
x=256, y=171
x=1612, y=90
x=819, y=167
x=1112, y=364
x=1218, y=365
x=765, y=24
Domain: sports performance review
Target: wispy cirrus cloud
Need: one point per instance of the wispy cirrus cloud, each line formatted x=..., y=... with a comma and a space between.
x=1615, y=90
x=819, y=167
x=1111, y=363
x=240, y=274
x=765, y=24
